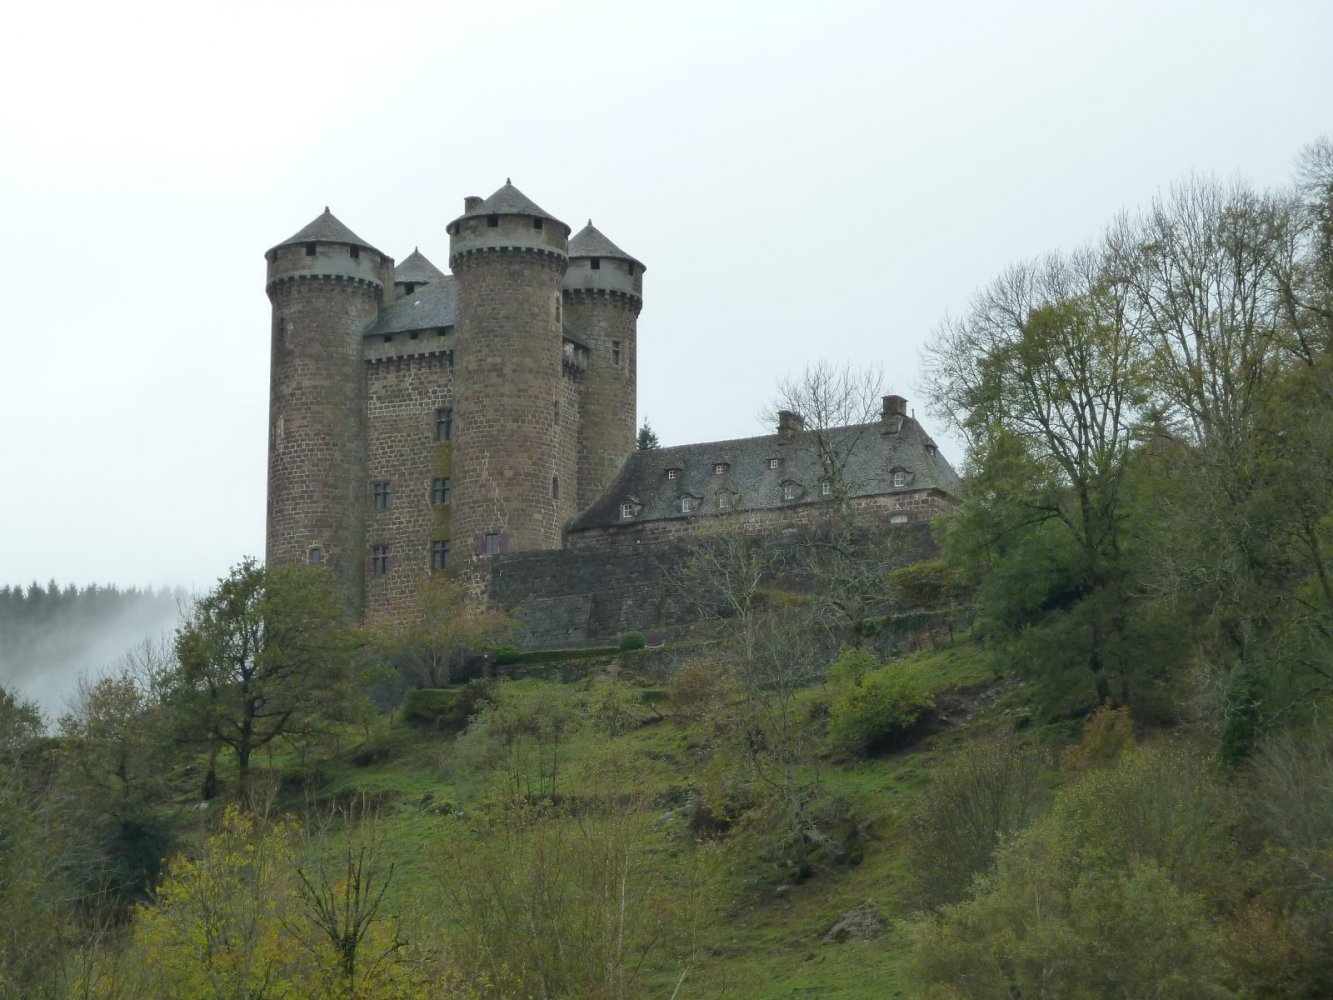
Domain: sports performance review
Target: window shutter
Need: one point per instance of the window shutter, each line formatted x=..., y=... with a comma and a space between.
x=479, y=543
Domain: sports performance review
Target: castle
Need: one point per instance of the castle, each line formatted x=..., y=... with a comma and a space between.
x=424, y=422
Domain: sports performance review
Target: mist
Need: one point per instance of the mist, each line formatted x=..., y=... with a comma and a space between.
x=42, y=660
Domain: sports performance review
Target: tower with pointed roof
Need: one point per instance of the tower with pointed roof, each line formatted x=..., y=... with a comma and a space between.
x=515, y=415
x=603, y=293
x=326, y=286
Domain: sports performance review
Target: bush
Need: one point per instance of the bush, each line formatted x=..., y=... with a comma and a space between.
x=852, y=665
x=614, y=708
x=632, y=640
x=868, y=717
x=696, y=689
x=431, y=706
x=507, y=653
x=984, y=792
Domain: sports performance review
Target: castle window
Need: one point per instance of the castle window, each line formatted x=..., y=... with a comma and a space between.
x=825, y=488
x=492, y=543
x=536, y=222
x=720, y=468
x=774, y=463
x=439, y=554
x=687, y=505
x=899, y=478
x=409, y=288
x=412, y=335
x=316, y=556
x=493, y=221
x=379, y=560
x=388, y=338
x=673, y=473
x=555, y=487
x=629, y=268
x=310, y=249
x=557, y=308
x=626, y=510
x=444, y=425
x=282, y=331
x=595, y=263
x=356, y=253
x=383, y=495
x=439, y=489
x=898, y=519
x=788, y=491
x=615, y=353
x=557, y=411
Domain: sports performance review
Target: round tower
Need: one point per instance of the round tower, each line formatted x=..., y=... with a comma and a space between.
x=326, y=285
x=511, y=453
x=603, y=293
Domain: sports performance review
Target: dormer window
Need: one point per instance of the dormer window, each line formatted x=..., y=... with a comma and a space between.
x=788, y=491
x=901, y=478
x=673, y=473
x=687, y=504
x=626, y=511
x=724, y=501
x=720, y=468
x=774, y=463
x=409, y=288
x=825, y=488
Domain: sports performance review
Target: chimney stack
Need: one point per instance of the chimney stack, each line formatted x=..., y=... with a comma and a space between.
x=789, y=425
x=470, y=202
x=895, y=412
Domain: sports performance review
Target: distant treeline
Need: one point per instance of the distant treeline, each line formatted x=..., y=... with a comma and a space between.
x=35, y=609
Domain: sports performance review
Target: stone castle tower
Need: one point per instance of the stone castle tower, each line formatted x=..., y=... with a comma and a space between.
x=420, y=422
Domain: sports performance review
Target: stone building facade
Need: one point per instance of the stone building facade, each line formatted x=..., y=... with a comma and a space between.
x=423, y=422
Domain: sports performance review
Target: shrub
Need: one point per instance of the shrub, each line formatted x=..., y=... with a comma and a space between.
x=852, y=665
x=985, y=791
x=431, y=706
x=632, y=640
x=696, y=689
x=867, y=717
x=507, y=653
x=614, y=708
x=1107, y=734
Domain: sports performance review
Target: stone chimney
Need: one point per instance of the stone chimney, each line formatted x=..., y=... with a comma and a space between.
x=471, y=201
x=789, y=425
x=895, y=412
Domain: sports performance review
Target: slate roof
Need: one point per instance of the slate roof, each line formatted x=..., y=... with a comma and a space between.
x=591, y=242
x=509, y=200
x=754, y=486
x=428, y=307
x=325, y=228
x=415, y=268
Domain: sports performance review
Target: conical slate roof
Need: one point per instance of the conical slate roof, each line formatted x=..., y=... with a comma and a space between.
x=326, y=228
x=591, y=242
x=416, y=269
x=509, y=200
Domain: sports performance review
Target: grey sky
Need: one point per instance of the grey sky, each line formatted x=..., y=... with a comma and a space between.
x=802, y=180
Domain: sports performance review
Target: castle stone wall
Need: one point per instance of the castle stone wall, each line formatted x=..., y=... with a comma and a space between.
x=508, y=371
x=402, y=396
x=607, y=322
x=317, y=441
x=917, y=506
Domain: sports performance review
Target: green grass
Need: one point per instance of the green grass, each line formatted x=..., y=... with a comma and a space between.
x=756, y=940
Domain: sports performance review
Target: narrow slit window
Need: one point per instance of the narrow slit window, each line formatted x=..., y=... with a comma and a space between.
x=555, y=487
x=444, y=425
x=615, y=353
x=379, y=560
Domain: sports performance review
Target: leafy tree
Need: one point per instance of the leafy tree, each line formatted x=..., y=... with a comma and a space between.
x=647, y=440
x=267, y=654
x=1047, y=380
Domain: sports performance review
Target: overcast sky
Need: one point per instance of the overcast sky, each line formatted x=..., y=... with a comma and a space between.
x=803, y=180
